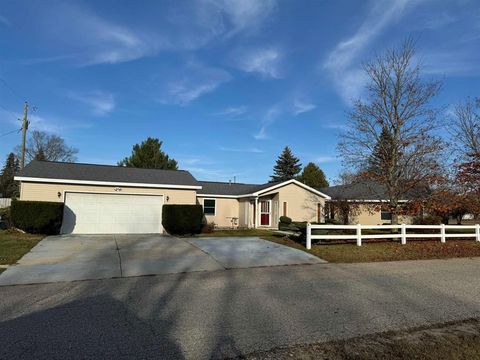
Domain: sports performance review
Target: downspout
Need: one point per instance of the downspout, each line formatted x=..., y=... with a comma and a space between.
x=255, y=210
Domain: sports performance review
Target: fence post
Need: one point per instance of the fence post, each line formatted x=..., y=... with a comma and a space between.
x=359, y=235
x=404, y=234
x=442, y=233
x=477, y=231
x=309, y=236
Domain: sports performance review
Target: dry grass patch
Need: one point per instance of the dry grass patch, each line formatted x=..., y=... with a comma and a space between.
x=13, y=245
x=456, y=340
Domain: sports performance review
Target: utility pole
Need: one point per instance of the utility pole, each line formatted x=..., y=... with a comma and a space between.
x=24, y=134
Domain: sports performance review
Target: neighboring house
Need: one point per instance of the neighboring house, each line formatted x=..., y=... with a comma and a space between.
x=366, y=199
x=112, y=199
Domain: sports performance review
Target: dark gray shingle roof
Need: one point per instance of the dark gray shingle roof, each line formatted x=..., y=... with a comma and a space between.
x=233, y=189
x=366, y=190
x=106, y=173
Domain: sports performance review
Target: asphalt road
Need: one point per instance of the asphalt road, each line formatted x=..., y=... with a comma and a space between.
x=227, y=313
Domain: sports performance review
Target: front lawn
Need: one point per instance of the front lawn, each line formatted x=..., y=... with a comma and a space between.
x=13, y=245
x=387, y=250
x=240, y=232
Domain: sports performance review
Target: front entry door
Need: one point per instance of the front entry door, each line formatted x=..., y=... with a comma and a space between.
x=265, y=213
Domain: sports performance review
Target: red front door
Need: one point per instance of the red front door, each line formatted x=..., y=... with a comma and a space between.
x=265, y=213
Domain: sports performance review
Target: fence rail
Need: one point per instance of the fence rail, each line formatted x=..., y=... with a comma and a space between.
x=5, y=202
x=403, y=235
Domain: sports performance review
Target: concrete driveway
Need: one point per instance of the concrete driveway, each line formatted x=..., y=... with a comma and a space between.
x=87, y=257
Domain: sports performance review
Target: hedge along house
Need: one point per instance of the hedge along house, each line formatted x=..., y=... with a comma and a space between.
x=105, y=199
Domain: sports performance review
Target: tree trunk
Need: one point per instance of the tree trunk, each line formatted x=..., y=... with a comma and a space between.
x=394, y=219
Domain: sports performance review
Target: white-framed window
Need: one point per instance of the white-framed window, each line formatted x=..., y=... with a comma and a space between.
x=209, y=206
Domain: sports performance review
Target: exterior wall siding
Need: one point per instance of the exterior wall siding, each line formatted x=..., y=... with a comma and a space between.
x=49, y=192
x=225, y=210
x=302, y=204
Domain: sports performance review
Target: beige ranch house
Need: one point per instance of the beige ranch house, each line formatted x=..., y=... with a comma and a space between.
x=102, y=199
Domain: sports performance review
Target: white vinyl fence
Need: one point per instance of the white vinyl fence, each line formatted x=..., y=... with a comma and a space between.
x=5, y=202
x=438, y=231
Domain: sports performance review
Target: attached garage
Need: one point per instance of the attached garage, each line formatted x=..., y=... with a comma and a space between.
x=106, y=199
x=94, y=213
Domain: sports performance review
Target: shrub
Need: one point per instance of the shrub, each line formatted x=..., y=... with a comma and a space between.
x=208, y=228
x=285, y=220
x=37, y=217
x=182, y=219
x=427, y=220
x=5, y=220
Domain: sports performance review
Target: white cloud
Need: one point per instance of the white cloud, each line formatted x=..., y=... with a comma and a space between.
x=325, y=159
x=240, y=15
x=342, y=61
x=101, y=103
x=267, y=120
x=93, y=39
x=242, y=150
x=232, y=111
x=300, y=106
x=263, y=61
x=85, y=38
x=48, y=123
x=194, y=81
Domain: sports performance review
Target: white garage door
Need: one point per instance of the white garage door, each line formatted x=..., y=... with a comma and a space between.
x=91, y=213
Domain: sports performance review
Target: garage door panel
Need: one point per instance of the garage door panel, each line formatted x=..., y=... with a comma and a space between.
x=92, y=213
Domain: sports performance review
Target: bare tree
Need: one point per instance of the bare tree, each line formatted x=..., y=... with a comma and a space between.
x=466, y=129
x=43, y=146
x=396, y=125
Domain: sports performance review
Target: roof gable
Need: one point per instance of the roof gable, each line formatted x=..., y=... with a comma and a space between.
x=242, y=190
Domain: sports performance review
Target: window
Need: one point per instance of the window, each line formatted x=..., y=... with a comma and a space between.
x=209, y=206
x=386, y=216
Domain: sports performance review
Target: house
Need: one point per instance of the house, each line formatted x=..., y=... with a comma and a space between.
x=112, y=199
x=365, y=201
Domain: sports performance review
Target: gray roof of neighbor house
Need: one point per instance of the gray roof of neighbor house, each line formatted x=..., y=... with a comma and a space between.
x=231, y=189
x=106, y=173
x=365, y=190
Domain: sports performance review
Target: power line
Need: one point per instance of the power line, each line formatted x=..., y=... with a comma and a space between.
x=8, y=111
x=11, y=132
x=4, y=82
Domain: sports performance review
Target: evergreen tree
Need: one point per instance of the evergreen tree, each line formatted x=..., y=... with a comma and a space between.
x=313, y=176
x=382, y=157
x=8, y=186
x=149, y=155
x=287, y=166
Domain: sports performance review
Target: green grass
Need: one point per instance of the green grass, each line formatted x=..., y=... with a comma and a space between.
x=240, y=232
x=386, y=250
x=370, y=251
x=13, y=245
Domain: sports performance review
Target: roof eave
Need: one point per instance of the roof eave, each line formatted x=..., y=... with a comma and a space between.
x=105, y=183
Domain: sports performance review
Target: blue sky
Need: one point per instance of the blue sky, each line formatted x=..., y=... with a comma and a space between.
x=225, y=84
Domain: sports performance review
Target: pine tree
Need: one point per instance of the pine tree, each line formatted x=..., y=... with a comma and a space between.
x=313, y=176
x=287, y=166
x=8, y=186
x=383, y=154
x=149, y=155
